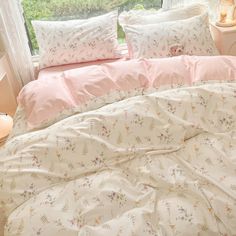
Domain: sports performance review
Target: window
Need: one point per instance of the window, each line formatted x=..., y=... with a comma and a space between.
x=72, y=9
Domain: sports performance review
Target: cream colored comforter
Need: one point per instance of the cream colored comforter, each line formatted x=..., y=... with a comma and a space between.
x=158, y=164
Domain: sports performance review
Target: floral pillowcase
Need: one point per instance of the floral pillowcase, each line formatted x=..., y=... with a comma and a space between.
x=183, y=37
x=75, y=41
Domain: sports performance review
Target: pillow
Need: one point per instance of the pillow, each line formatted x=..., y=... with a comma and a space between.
x=184, y=37
x=75, y=41
x=135, y=17
x=132, y=16
x=211, y=4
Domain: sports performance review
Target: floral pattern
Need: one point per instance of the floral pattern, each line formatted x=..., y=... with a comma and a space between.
x=75, y=41
x=184, y=37
x=157, y=164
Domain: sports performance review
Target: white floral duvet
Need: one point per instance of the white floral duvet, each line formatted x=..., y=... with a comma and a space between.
x=159, y=164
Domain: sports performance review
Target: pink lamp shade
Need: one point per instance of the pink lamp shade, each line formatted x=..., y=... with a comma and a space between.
x=6, y=124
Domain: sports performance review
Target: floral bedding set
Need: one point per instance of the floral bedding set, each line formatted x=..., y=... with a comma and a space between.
x=159, y=159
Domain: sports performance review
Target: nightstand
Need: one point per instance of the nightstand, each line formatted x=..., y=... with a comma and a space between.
x=225, y=39
x=6, y=124
x=8, y=87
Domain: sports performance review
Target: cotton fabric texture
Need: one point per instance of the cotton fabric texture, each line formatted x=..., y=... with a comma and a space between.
x=87, y=88
x=145, y=17
x=157, y=164
x=183, y=37
x=75, y=41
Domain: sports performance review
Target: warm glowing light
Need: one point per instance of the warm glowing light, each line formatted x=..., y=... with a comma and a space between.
x=6, y=123
x=226, y=13
x=223, y=17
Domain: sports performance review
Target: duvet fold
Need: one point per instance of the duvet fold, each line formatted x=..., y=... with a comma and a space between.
x=48, y=100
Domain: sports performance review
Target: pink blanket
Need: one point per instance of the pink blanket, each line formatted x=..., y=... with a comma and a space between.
x=83, y=88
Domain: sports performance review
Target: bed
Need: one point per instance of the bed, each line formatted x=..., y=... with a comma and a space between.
x=144, y=146
x=153, y=154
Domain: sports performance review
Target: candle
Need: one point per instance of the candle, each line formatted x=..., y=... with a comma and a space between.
x=223, y=16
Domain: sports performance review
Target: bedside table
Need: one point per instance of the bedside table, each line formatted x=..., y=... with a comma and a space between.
x=225, y=39
x=6, y=124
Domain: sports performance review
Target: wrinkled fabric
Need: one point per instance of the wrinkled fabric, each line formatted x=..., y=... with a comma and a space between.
x=157, y=164
x=84, y=89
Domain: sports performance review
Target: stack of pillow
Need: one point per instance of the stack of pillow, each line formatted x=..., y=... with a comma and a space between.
x=149, y=34
x=169, y=33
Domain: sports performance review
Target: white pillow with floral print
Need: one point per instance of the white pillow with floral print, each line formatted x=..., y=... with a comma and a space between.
x=75, y=41
x=184, y=37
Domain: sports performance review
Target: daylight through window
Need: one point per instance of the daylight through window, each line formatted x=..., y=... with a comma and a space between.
x=75, y=9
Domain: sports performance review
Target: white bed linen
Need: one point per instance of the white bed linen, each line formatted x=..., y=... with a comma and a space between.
x=158, y=164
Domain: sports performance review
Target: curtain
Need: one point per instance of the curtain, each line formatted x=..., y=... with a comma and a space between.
x=212, y=4
x=168, y=4
x=15, y=40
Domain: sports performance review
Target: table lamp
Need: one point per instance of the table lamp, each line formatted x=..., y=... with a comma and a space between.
x=226, y=13
x=6, y=124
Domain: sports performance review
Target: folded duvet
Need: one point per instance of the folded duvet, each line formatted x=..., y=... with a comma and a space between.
x=50, y=99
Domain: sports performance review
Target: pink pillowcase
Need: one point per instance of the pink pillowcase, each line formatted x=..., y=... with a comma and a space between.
x=43, y=100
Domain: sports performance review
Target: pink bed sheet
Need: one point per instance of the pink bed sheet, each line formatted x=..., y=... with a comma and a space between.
x=44, y=99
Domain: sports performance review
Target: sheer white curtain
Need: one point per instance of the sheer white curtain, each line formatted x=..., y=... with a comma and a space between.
x=212, y=4
x=168, y=4
x=15, y=40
